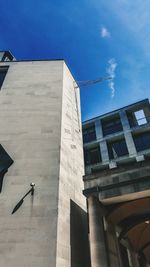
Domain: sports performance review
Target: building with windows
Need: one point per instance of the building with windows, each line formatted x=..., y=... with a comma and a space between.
x=117, y=186
x=41, y=142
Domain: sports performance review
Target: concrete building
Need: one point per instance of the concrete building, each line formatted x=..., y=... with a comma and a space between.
x=117, y=186
x=41, y=142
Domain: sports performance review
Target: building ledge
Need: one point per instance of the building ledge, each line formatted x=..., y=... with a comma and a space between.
x=127, y=179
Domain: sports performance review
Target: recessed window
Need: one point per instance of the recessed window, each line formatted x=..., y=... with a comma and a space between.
x=3, y=71
x=142, y=141
x=89, y=134
x=140, y=117
x=111, y=126
x=117, y=149
x=92, y=156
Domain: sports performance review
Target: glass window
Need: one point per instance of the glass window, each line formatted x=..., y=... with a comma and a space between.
x=117, y=149
x=140, y=117
x=89, y=134
x=142, y=141
x=112, y=126
x=92, y=156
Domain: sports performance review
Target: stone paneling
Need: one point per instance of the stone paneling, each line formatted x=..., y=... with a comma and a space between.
x=30, y=119
x=41, y=130
x=71, y=171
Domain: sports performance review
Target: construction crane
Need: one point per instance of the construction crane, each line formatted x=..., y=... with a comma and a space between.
x=78, y=84
x=90, y=82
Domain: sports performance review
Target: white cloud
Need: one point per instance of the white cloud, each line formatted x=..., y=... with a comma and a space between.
x=132, y=16
x=104, y=32
x=111, y=71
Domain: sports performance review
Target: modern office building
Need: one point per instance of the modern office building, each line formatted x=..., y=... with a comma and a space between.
x=117, y=186
x=41, y=142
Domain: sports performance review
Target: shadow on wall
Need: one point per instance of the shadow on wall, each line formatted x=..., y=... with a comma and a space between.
x=80, y=252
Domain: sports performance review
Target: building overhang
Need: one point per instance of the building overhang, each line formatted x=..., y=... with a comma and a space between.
x=121, y=184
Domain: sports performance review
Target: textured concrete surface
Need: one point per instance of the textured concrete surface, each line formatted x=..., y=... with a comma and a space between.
x=113, y=248
x=96, y=234
x=40, y=131
x=127, y=133
x=71, y=168
x=121, y=184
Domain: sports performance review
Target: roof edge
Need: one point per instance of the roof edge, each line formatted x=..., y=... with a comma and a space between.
x=146, y=100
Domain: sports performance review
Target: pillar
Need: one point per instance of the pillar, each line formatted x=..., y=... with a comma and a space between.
x=134, y=259
x=96, y=234
x=127, y=133
x=102, y=142
x=113, y=248
x=98, y=129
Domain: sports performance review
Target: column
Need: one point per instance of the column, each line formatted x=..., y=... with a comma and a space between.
x=113, y=248
x=104, y=151
x=98, y=129
x=127, y=133
x=96, y=234
x=134, y=259
x=102, y=142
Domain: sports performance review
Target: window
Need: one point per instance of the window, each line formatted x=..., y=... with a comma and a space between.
x=140, y=117
x=92, y=156
x=89, y=134
x=112, y=126
x=137, y=118
x=3, y=71
x=117, y=149
x=142, y=141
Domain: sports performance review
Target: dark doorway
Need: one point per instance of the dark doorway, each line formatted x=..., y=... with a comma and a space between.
x=80, y=253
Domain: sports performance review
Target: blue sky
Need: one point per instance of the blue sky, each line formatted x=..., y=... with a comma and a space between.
x=95, y=37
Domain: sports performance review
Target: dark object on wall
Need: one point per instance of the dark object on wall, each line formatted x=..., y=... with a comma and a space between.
x=5, y=162
x=3, y=72
x=22, y=200
x=79, y=242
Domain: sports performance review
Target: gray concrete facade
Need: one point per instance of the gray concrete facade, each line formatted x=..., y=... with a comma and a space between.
x=96, y=234
x=117, y=186
x=123, y=131
x=41, y=131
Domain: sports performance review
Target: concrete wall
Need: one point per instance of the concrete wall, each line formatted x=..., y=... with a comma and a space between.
x=71, y=171
x=34, y=122
x=121, y=184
